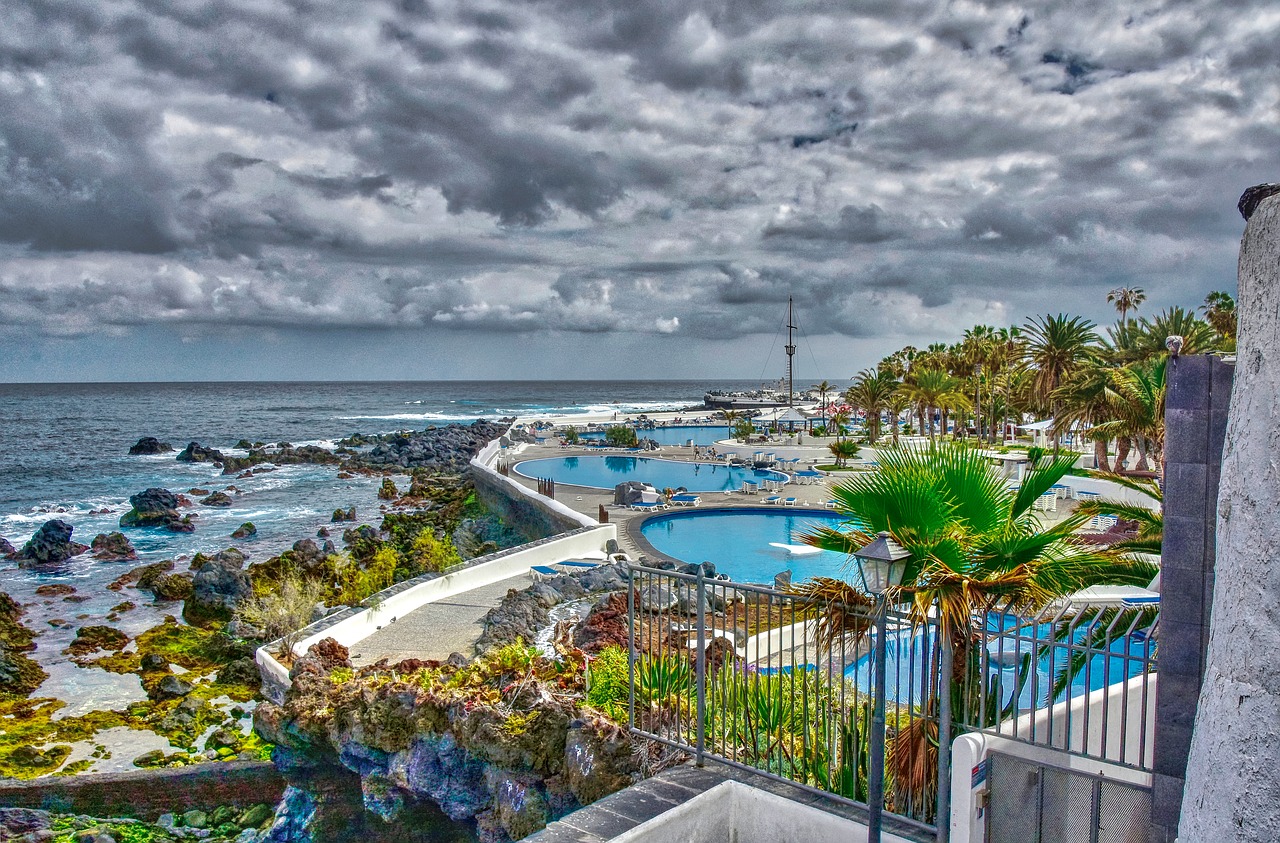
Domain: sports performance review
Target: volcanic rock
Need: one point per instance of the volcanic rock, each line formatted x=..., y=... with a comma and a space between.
x=151, y=508
x=219, y=587
x=7, y=551
x=245, y=530
x=92, y=638
x=172, y=587
x=217, y=499
x=171, y=686
x=113, y=547
x=51, y=545
x=150, y=445
x=195, y=452
x=605, y=624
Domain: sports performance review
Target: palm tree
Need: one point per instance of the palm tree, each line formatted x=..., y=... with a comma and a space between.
x=934, y=388
x=1198, y=336
x=1126, y=299
x=975, y=546
x=843, y=451
x=1057, y=346
x=871, y=391
x=1136, y=395
x=823, y=388
x=1084, y=398
x=1220, y=311
x=730, y=418
x=899, y=402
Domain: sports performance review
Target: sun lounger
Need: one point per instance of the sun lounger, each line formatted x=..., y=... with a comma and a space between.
x=544, y=572
x=578, y=564
x=646, y=506
x=772, y=499
x=788, y=501
x=832, y=504
x=684, y=500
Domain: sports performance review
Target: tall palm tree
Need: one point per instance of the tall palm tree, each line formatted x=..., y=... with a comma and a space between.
x=1057, y=346
x=1220, y=311
x=1084, y=398
x=730, y=418
x=823, y=388
x=899, y=402
x=935, y=389
x=1126, y=299
x=871, y=391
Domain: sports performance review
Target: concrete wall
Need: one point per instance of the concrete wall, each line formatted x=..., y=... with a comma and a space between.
x=146, y=794
x=1088, y=715
x=1199, y=393
x=521, y=508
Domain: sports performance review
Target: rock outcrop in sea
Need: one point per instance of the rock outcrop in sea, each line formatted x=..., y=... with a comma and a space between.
x=157, y=508
x=113, y=547
x=149, y=445
x=195, y=452
x=219, y=587
x=50, y=545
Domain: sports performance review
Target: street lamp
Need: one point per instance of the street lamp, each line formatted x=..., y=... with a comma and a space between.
x=977, y=400
x=881, y=565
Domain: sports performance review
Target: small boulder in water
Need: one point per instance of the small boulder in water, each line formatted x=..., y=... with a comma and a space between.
x=113, y=547
x=148, y=445
x=217, y=499
x=7, y=551
x=51, y=545
x=195, y=452
x=245, y=530
x=151, y=508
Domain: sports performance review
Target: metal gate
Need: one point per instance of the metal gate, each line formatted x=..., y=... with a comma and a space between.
x=1033, y=803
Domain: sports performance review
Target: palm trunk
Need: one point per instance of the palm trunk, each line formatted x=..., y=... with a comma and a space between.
x=1232, y=790
x=1142, y=455
x=1100, y=454
x=1123, y=446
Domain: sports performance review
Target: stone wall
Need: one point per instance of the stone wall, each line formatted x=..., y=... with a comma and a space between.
x=146, y=794
x=524, y=513
x=1199, y=393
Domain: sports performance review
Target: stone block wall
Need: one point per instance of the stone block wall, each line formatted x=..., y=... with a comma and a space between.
x=1199, y=394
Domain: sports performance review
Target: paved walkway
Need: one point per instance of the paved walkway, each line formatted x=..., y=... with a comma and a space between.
x=437, y=629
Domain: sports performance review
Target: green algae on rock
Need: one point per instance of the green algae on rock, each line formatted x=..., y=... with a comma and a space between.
x=19, y=674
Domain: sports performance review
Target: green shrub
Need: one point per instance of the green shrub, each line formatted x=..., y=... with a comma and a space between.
x=621, y=436
x=608, y=682
x=571, y=435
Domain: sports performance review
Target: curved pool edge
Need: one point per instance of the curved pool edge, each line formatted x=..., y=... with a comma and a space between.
x=645, y=455
x=633, y=527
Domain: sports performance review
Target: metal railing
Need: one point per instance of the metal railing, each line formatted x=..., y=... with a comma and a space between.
x=743, y=674
x=782, y=684
x=1076, y=678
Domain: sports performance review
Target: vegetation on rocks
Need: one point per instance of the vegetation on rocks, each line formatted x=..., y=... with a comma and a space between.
x=501, y=739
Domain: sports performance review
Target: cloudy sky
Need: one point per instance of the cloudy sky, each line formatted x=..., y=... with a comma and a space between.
x=631, y=188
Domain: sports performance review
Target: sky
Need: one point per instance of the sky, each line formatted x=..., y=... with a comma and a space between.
x=434, y=189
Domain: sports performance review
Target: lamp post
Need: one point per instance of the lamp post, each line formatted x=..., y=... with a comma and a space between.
x=881, y=565
x=977, y=400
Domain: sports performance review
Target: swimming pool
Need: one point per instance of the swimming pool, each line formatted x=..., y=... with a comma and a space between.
x=600, y=472
x=674, y=435
x=738, y=542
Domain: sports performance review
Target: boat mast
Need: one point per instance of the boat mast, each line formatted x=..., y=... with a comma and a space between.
x=791, y=353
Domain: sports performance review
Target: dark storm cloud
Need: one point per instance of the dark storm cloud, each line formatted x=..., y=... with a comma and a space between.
x=901, y=169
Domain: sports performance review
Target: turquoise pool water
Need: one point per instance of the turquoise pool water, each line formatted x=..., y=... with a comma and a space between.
x=738, y=542
x=600, y=472
x=676, y=435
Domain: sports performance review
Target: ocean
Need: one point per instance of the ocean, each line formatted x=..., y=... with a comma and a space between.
x=64, y=454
